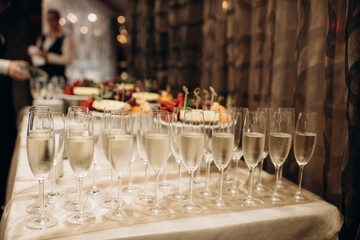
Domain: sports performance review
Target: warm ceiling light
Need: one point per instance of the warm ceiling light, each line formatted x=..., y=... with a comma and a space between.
x=124, y=32
x=72, y=17
x=83, y=30
x=121, y=39
x=225, y=5
x=62, y=21
x=92, y=17
x=121, y=19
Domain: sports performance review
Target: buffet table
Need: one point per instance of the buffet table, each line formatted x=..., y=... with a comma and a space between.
x=315, y=219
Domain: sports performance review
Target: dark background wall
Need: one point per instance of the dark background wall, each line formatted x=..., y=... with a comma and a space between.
x=21, y=25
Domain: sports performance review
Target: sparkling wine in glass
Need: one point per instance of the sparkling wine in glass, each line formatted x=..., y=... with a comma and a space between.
x=80, y=149
x=304, y=145
x=120, y=153
x=59, y=129
x=279, y=145
x=145, y=198
x=192, y=150
x=260, y=189
x=40, y=146
x=237, y=115
x=223, y=147
x=253, y=147
x=157, y=148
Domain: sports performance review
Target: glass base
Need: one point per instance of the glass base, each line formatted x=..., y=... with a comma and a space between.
x=96, y=192
x=300, y=198
x=178, y=196
x=219, y=204
x=109, y=203
x=165, y=187
x=207, y=195
x=36, y=209
x=190, y=208
x=81, y=218
x=228, y=178
x=72, y=205
x=232, y=191
x=42, y=222
x=276, y=199
x=54, y=195
x=131, y=190
x=156, y=211
x=259, y=188
x=145, y=199
x=280, y=185
x=117, y=215
x=250, y=202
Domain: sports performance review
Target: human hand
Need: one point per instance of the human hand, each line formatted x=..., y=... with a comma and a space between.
x=42, y=53
x=15, y=72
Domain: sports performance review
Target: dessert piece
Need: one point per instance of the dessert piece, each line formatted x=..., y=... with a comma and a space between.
x=146, y=96
x=85, y=91
x=111, y=105
x=209, y=115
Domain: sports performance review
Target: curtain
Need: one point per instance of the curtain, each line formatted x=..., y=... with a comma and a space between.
x=256, y=53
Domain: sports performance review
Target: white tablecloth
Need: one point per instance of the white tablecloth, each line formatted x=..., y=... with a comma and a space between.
x=316, y=219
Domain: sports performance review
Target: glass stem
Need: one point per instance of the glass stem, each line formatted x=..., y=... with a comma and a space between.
x=130, y=174
x=208, y=164
x=276, y=181
x=42, y=198
x=94, y=176
x=119, y=192
x=221, y=184
x=191, y=187
x=250, y=182
x=260, y=169
x=80, y=189
x=146, y=178
x=157, y=176
x=53, y=187
x=112, y=182
x=301, y=171
x=179, y=178
x=165, y=174
x=280, y=175
x=235, y=174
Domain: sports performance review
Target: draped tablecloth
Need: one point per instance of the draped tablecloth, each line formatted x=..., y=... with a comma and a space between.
x=315, y=219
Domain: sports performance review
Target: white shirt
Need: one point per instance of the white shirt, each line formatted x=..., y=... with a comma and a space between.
x=4, y=66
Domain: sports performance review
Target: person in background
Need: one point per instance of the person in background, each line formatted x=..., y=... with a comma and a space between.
x=9, y=70
x=54, y=50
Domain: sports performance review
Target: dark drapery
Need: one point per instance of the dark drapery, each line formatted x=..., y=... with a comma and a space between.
x=278, y=53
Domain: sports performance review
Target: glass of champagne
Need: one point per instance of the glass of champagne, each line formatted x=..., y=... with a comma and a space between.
x=40, y=146
x=253, y=147
x=59, y=128
x=176, y=127
x=260, y=189
x=208, y=156
x=157, y=148
x=192, y=151
x=223, y=147
x=95, y=191
x=80, y=149
x=35, y=208
x=237, y=115
x=120, y=153
x=279, y=145
x=145, y=198
x=304, y=145
x=292, y=110
x=109, y=201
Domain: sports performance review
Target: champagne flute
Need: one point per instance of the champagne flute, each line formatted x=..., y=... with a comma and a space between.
x=268, y=114
x=59, y=128
x=179, y=195
x=143, y=120
x=192, y=151
x=304, y=145
x=120, y=153
x=40, y=146
x=95, y=191
x=223, y=147
x=208, y=156
x=279, y=145
x=109, y=201
x=80, y=149
x=237, y=115
x=292, y=110
x=253, y=147
x=157, y=148
x=35, y=208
